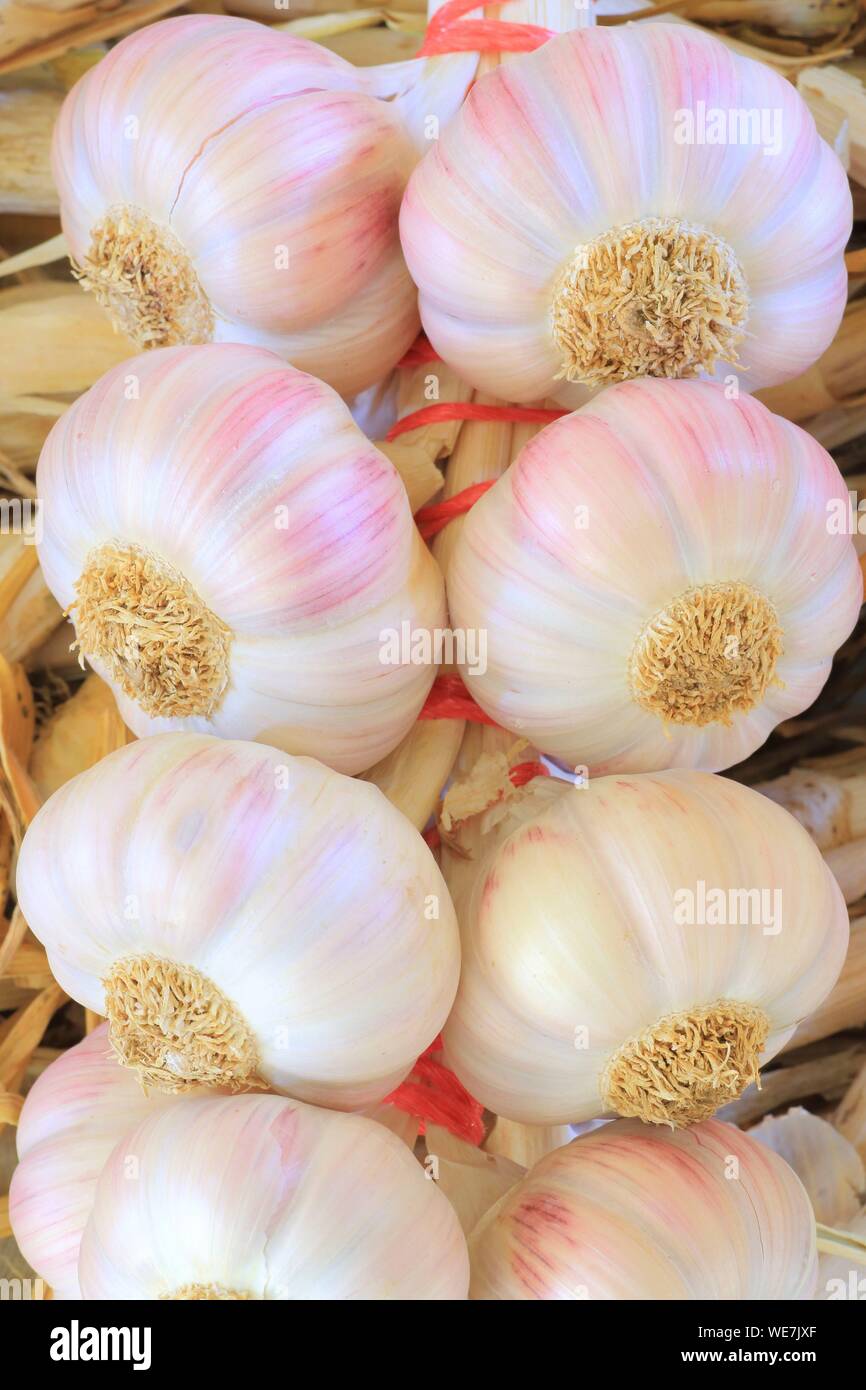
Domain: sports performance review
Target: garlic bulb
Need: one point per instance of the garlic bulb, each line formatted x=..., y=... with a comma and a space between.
x=72, y=1118
x=84, y=1105
x=243, y=918
x=627, y=202
x=232, y=549
x=223, y=181
x=638, y=948
x=662, y=576
x=632, y=1213
x=255, y=1197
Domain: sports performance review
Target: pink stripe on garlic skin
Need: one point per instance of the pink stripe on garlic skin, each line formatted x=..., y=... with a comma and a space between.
x=607, y=518
x=629, y=1212
x=277, y=166
x=578, y=139
x=264, y=1198
x=71, y=1121
x=252, y=481
x=302, y=896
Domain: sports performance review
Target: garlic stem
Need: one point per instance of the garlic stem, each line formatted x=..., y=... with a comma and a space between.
x=413, y=776
x=846, y=1243
x=850, y=1117
x=484, y=450
x=54, y=249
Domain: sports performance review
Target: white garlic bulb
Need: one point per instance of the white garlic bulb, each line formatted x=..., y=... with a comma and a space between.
x=662, y=578
x=639, y=947
x=73, y=1116
x=243, y=918
x=624, y=202
x=223, y=181
x=233, y=549
x=628, y=1212
x=256, y=1197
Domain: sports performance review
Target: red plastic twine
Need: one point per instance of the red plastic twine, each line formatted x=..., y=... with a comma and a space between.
x=449, y=32
x=522, y=773
x=469, y=410
x=434, y=518
x=449, y=699
x=421, y=352
x=434, y=1096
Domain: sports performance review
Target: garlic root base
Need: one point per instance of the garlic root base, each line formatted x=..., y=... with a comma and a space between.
x=157, y=639
x=141, y=275
x=174, y=1027
x=707, y=656
x=687, y=1065
x=655, y=298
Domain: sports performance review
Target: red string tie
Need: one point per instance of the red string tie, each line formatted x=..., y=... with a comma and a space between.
x=449, y=699
x=421, y=352
x=434, y=518
x=468, y=410
x=434, y=1096
x=449, y=32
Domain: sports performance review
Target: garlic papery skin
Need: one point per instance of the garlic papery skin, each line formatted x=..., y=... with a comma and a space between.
x=232, y=548
x=222, y=181
x=831, y=807
x=243, y=918
x=828, y=1166
x=640, y=947
x=75, y=1113
x=627, y=202
x=663, y=577
x=628, y=1212
x=257, y=1197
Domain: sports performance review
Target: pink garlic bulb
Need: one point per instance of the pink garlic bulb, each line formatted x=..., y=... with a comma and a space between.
x=624, y=202
x=628, y=1212
x=256, y=1197
x=232, y=548
x=72, y=1118
x=222, y=181
x=243, y=918
x=662, y=577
